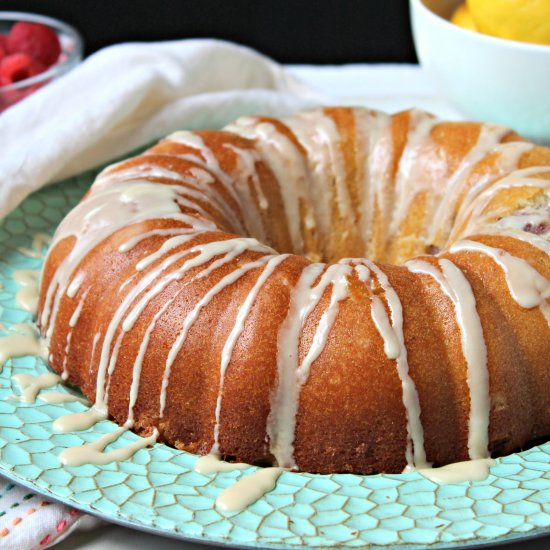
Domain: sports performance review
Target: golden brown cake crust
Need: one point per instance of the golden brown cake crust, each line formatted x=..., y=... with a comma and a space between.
x=318, y=187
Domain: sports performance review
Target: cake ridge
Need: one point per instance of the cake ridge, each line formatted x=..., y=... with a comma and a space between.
x=458, y=289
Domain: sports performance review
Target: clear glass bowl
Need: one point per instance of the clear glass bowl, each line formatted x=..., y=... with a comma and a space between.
x=71, y=55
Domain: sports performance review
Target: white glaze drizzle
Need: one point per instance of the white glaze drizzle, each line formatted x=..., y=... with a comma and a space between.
x=127, y=282
x=394, y=343
x=78, y=310
x=144, y=345
x=64, y=369
x=382, y=322
x=375, y=141
x=192, y=317
x=114, y=174
x=534, y=240
x=207, y=158
x=30, y=385
x=521, y=219
x=406, y=184
x=97, y=336
x=57, y=397
x=205, y=253
x=208, y=161
x=169, y=232
x=228, y=249
x=527, y=286
x=94, y=453
x=489, y=137
x=196, y=184
x=192, y=205
x=72, y=323
x=233, y=337
x=248, y=490
x=508, y=156
x=319, y=135
x=475, y=213
x=304, y=298
x=245, y=173
x=455, y=285
x=104, y=212
x=27, y=296
x=75, y=284
x=247, y=159
x=211, y=464
x=286, y=163
x=166, y=247
x=339, y=292
x=183, y=192
x=362, y=272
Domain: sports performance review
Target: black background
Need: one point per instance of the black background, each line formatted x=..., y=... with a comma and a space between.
x=291, y=31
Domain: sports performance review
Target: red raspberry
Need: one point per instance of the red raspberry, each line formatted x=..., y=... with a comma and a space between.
x=3, y=46
x=36, y=40
x=18, y=66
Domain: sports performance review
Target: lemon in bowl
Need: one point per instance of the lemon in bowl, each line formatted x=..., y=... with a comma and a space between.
x=521, y=20
x=487, y=78
x=463, y=17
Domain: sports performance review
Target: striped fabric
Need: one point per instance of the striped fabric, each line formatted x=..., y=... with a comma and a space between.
x=28, y=522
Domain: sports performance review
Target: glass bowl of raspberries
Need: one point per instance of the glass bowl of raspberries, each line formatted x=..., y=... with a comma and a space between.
x=34, y=50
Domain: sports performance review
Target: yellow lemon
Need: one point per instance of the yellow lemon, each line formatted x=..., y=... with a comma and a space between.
x=523, y=20
x=463, y=18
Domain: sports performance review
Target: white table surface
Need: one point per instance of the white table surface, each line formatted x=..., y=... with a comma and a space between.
x=386, y=87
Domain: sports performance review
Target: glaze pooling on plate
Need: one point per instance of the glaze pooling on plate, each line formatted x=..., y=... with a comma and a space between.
x=158, y=488
x=21, y=345
x=27, y=297
x=248, y=490
x=30, y=385
x=470, y=470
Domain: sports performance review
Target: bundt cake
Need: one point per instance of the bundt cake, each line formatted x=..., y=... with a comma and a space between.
x=216, y=288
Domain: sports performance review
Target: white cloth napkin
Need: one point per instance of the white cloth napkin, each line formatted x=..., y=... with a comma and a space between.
x=122, y=97
x=128, y=95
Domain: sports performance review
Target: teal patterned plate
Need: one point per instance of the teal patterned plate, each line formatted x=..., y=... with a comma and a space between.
x=157, y=489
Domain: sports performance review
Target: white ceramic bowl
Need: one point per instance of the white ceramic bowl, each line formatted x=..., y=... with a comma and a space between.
x=487, y=78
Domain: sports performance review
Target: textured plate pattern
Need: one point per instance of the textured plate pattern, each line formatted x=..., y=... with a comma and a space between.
x=158, y=489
